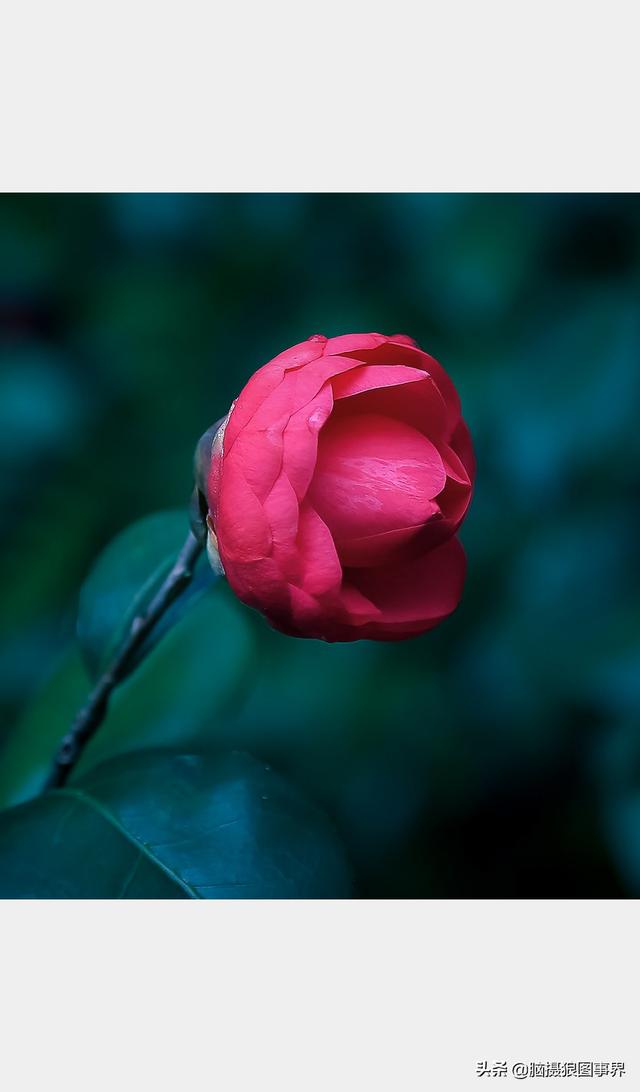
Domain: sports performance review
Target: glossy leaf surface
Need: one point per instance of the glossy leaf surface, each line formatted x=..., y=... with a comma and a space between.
x=156, y=825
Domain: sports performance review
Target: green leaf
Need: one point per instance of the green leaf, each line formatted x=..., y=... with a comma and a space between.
x=175, y=698
x=124, y=579
x=156, y=825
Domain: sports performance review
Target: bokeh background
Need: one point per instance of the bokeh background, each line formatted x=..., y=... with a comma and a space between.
x=496, y=756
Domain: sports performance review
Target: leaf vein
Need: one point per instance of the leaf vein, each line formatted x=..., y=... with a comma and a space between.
x=144, y=849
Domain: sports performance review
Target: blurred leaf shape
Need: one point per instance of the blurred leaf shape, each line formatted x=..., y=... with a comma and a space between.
x=176, y=697
x=158, y=825
x=124, y=579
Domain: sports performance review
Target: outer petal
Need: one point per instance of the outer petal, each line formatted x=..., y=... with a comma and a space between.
x=267, y=378
x=302, y=353
x=415, y=399
x=353, y=343
x=299, y=386
x=420, y=593
x=300, y=440
x=390, y=547
x=262, y=479
x=319, y=568
x=394, y=352
x=259, y=584
x=241, y=524
x=403, y=339
x=311, y=573
x=282, y=511
x=379, y=605
x=372, y=377
x=463, y=446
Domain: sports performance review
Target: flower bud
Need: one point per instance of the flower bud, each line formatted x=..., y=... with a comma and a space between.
x=336, y=486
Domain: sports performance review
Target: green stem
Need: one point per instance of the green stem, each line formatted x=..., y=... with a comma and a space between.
x=93, y=712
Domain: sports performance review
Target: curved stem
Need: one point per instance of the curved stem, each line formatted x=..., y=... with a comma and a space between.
x=93, y=712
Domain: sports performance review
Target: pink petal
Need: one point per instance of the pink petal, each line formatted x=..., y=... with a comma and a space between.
x=282, y=512
x=403, y=339
x=241, y=525
x=259, y=455
x=463, y=446
x=356, y=608
x=353, y=343
x=413, y=357
x=259, y=584
x=266, y=379
x=342, y=617
x=415, y=400
x=298, y=388
x=300, y=440
x=374, y=475
x=302, y=353
x=421, y=592
x=454, y=502
x=454, y=466
x=261, y=384
x=320, y=570
x=305, y=617
x=372, y=550
x=372, y=377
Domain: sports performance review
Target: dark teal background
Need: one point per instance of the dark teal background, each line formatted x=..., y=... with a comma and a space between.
x=497, y=756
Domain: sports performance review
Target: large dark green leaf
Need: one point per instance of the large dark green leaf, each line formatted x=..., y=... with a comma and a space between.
x=123, y=580
x=175, y=698
x=155, y=825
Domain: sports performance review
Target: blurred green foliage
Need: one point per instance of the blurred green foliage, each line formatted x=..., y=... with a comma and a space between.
x=496, y=756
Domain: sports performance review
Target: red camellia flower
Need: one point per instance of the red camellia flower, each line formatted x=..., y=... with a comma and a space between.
x=336, y=486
